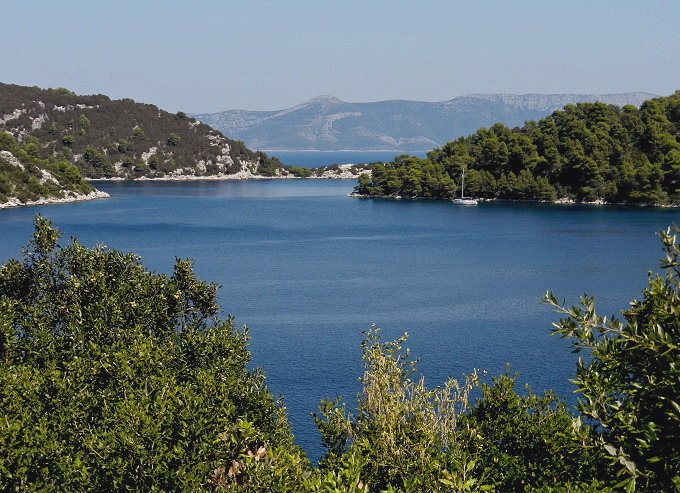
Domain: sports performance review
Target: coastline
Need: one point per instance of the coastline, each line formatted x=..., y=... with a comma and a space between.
x=342, y=150
x=343, y=173
x=233, y=177
x=562, y=201
x=222, y=178
x=94, y=195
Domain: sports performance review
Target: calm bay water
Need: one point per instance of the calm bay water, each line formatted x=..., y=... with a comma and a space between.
x=313, y=159
x=307, y=268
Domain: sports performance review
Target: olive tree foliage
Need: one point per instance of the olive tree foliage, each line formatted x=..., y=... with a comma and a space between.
x=526, y=441
x=116, y=378
x=405, y=437
x=630, y=383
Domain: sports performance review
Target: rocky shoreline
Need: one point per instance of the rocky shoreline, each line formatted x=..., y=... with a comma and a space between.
x=562, y=201
x=342, y=172
x=96, y=194
x=222, y=178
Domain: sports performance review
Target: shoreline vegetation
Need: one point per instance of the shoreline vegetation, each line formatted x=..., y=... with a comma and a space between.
x=589, y=153
x=561, y=201
x=584, y=153
x=114, y=377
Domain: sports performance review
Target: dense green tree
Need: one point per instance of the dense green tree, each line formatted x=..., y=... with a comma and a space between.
x=115, y=378
x=138, y=133
x=84, y=122
x=585, y=152
x=96, y=163
x=407, y=176
x=153, y=162
x=174, y=140
x=525, y=441
x=123, y=146
x=630, y=381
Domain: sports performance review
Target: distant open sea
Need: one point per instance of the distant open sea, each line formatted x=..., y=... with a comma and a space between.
x=313, y=159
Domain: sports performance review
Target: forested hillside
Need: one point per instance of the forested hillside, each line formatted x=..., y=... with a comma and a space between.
x=26, y=177
x=584, y=152
x=122, y=138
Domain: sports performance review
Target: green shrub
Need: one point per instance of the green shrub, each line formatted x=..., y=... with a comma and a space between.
x=174, y=140
x=404, y=436
x=630, y=381
x=526, y=442
x=116, y=378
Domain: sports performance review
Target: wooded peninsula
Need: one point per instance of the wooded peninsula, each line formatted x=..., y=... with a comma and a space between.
x=588, y=152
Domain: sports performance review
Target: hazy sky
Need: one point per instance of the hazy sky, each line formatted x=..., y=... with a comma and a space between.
x=205, y=56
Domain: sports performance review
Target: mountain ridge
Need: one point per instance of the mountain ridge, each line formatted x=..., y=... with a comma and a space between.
x=327, y=123
x=550, y=101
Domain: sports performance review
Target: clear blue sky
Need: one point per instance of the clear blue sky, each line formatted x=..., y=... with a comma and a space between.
x=204, y=56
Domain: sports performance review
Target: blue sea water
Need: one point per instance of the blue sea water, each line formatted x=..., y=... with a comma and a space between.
x=314, y=159
x=307, y=268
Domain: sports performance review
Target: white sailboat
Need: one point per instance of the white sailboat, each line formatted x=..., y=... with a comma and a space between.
x=463, y=200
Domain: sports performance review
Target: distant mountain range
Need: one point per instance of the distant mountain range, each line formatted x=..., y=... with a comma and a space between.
x=326, y=123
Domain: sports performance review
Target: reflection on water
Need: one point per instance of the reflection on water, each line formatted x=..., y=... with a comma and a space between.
x=228, y=188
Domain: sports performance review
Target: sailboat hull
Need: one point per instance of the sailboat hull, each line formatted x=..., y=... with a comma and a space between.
x=463, y=200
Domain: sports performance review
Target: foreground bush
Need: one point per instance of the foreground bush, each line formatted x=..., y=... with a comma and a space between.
x=116, y=378
x=406, y=437
x=630, y=382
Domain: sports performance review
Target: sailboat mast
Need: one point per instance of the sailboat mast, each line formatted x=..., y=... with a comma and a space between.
x=462, y=185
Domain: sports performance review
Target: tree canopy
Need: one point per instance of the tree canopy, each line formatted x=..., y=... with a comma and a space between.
x=584, y=152
x=116, y=378
x=26, y=174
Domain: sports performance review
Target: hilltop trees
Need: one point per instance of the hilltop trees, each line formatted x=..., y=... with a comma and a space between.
x=585, y=152
x=68, y=125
